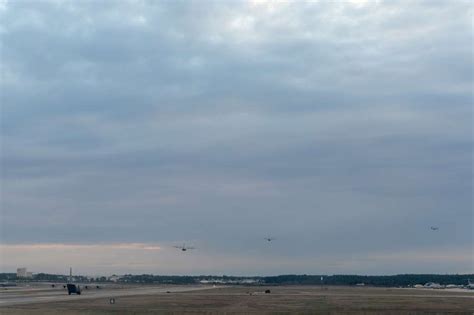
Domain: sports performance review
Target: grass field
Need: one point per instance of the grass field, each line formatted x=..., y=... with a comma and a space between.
x=282, y=299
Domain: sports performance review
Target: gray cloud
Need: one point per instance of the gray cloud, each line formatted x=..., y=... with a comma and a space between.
x=341, y=128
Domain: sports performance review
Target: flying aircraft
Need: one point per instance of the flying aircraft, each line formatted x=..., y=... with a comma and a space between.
x=269, y=239
x=183, y=247
x=435, y=228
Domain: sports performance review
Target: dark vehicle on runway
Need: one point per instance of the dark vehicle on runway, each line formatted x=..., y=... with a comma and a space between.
x=72, y=288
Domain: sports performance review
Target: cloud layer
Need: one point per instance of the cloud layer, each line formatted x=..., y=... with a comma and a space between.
x=340, y=128
x=112, y=258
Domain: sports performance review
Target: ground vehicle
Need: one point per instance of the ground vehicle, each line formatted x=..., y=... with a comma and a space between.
x=72, y=288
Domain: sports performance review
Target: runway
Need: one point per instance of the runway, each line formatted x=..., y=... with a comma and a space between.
x=17, y=296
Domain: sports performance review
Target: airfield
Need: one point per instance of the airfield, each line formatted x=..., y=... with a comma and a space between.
x=151, y=299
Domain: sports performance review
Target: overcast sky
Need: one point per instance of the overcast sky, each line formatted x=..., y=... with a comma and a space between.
x=343, y=129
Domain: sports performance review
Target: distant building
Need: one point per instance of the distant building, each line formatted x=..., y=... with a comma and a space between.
x=23, y=273
x=114, y=278
x=248, y=281
x=227, y=281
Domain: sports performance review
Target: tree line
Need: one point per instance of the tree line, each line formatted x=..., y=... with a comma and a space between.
x=402, y=280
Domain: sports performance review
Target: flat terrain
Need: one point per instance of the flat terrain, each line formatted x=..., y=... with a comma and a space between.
x=238, y=299
x=46, y=294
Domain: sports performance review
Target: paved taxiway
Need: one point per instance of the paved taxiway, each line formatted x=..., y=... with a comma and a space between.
x=30, y=295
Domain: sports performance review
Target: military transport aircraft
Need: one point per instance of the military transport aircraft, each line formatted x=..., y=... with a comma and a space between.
x=184, y=247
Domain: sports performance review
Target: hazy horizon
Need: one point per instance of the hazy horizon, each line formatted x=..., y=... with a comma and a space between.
x=342, y=129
